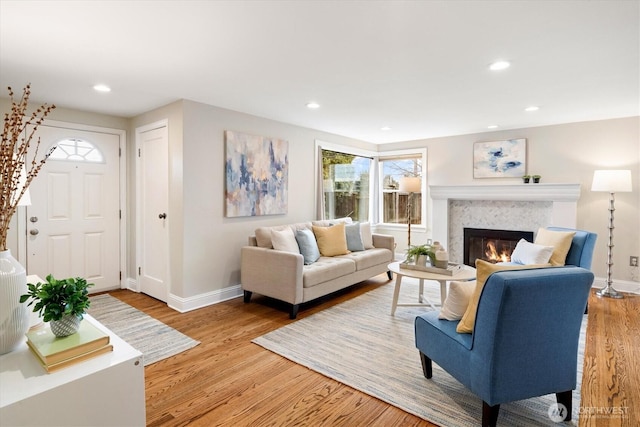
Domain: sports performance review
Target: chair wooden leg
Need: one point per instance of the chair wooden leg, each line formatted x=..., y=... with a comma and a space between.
x=247, y=296
x=427, y=369
x=565, y=398
x=489, y=414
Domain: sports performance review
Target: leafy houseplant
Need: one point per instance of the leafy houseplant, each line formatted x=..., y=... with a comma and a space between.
x=64, y=300
x=526, y=178
x=421, y=250
x=536, y=178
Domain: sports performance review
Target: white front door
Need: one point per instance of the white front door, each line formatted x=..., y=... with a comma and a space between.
x=153, y=221
x=73, y=221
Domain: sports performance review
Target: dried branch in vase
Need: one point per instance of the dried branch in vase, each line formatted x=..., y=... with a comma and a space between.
x=19, y=158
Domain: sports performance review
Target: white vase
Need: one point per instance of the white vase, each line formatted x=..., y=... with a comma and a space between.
x=14, y=317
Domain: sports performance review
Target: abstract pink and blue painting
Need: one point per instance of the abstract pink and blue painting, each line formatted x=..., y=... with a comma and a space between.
x=257, y=175
x=500, y=159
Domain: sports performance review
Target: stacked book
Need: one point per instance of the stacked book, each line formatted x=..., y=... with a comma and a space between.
x=55, y=353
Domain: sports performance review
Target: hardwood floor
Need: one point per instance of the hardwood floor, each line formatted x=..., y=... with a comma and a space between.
x=228, y=381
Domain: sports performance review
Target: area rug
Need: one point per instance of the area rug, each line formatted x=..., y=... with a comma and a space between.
x=154, y=339
x=359, y=343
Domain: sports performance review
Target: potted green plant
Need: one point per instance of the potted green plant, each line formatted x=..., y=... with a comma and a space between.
x=536, y=179
x=526, y=178
x=415, y=252
x=60, y=302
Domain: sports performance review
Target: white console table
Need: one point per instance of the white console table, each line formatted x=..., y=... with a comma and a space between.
x=107, y=390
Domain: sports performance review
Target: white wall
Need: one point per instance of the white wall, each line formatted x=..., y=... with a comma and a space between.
x=567, y=153
x=205, y=246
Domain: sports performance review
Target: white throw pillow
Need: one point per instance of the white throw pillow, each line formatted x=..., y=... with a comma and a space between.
x=457, y=300
x=284, y=240
x=365, y=233
x=527, y=253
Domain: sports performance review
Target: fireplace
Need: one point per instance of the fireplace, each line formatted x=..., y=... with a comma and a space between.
x=491, y=245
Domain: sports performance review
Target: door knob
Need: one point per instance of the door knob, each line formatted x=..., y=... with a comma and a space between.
x=33, y=219
x=34, y=232
x=162, y=216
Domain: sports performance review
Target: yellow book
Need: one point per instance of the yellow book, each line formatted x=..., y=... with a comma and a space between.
x=51, y=349
x=68, y=362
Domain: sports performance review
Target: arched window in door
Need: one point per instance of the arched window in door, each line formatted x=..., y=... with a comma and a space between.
x=77, y=150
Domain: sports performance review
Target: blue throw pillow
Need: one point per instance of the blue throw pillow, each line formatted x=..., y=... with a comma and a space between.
x=354, y=238
x=308, y=246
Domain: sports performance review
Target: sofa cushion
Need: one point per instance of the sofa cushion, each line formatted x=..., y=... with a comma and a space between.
x=354, y=238
x=263, y=234
x=308, y=246
x=331, y=240
x=326, y=268
x=457, y=300
x=330, y=222
x=560, y=240
x=284, y=240
x=367, y=236
x=530, y=253
x=484, y=269
x=369, y=258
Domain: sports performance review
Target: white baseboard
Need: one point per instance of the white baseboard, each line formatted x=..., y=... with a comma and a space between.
x=198, y=301
x=202, y=300
x=618, y=285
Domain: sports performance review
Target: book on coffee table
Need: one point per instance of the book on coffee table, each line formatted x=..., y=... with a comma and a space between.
x=51, y=349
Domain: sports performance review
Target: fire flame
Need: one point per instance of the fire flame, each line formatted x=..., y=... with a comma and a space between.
x=493, y=256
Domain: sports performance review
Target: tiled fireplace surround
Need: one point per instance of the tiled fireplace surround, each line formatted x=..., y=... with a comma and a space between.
x=502, y=207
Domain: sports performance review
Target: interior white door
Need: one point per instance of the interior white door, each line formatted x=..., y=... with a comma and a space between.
x=73, y=220
x=153, y=156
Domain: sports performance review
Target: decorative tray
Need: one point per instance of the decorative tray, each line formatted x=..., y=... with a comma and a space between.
x=449, y=271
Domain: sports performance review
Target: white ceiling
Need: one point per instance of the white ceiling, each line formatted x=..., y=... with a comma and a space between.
x=419, y=67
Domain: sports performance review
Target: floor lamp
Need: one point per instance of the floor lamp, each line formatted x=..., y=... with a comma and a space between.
x=611, y=181
x=410, y=185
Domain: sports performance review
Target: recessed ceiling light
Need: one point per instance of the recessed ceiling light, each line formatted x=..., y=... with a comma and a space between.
x=499, y=65
x=102, y=88
x=385, y=128
x=313, y=105
x=532, y=108
x=492, y=127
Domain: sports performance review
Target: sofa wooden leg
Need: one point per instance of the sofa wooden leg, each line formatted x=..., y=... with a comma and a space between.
x=427, y=369
x=389, y=274
x=247, y=296
x=294, y=311
x=565, y=398
x=489, y=415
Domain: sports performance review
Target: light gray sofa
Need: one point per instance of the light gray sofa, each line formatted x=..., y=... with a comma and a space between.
x=284, y=276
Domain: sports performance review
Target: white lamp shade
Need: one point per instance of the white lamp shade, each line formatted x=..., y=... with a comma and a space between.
x=612, y=181
x=409, y=184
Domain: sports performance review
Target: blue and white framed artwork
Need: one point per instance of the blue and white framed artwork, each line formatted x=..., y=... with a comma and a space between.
x=500, y=159
x=257, y=175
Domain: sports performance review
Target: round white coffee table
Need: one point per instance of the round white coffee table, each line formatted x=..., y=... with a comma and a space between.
x=465, y=273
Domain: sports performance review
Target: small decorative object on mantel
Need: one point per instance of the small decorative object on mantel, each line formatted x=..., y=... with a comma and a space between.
x=19, y=165
x=61, y=302
x=536, y=179
x=526, y=178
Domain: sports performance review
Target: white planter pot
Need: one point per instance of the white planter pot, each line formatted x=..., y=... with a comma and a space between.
x=14, y=317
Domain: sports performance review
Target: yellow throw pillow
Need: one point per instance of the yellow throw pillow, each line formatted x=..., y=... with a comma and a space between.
x=332, y=240
x=560, y=240
x=484, y=269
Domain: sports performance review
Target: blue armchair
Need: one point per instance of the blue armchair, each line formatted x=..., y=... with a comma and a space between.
x=525, y=339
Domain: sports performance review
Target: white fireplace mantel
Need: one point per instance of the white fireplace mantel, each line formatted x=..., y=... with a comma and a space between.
x=563, y=199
